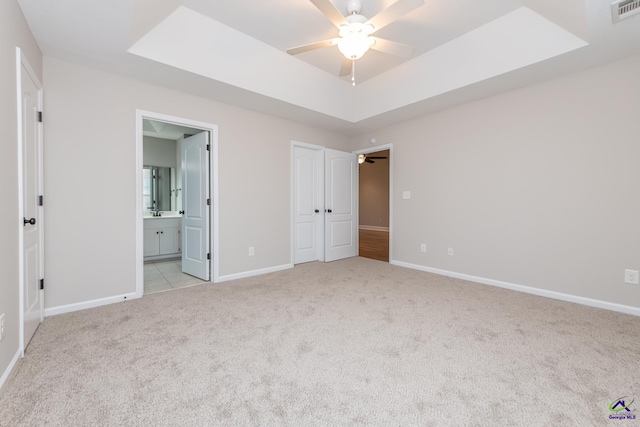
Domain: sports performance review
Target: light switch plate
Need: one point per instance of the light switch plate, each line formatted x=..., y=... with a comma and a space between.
x=406, y=195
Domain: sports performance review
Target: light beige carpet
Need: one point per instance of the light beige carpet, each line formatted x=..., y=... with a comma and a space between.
x=354, y=342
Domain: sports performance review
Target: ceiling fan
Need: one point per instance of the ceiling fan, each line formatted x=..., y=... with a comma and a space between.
x=355, y=36
x=362, y=158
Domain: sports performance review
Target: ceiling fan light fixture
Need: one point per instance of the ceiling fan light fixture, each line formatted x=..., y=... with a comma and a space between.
x=354, y=40
x=361, y=158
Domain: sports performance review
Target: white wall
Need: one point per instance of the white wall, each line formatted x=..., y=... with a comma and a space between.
x=91, y=256
x=159, y=152
x=13, y=32
x=538, y=186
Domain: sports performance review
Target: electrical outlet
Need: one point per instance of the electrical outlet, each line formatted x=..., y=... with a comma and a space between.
x=632, y=277
x=450, y=251
x=423, y=247
x=1, y=326
x=252, y=251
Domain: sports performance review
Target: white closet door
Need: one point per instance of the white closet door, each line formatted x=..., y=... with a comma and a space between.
x=308, y=205
x=341, y=204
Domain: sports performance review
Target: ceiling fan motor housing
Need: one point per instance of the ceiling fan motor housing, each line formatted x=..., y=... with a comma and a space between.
x=354, y=6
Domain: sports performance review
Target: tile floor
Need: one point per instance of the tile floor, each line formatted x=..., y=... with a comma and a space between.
x=166, y=274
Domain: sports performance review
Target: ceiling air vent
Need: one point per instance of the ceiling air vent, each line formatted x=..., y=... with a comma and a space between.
x=623, y=9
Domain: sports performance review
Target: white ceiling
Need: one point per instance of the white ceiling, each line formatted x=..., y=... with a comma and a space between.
x=165, y=130
x=234, y=51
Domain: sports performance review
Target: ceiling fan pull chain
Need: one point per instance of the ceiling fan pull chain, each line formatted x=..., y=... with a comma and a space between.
x=353, y=72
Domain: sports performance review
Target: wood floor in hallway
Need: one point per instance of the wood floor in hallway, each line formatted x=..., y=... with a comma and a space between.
x=374, y=244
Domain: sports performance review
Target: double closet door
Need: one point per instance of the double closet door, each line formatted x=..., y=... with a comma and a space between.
x=325, y=203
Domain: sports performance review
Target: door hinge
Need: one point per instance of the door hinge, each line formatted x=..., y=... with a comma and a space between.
x=40, y=200
x=41, y=283
x=208, y=256
x=208, y=147
x=40, y=116
x=208, y=202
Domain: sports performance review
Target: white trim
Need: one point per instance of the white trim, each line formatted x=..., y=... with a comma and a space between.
x=176, y=255
x=252, y=273
x=373, y=150
x=214, y=270
x=139, y=249
x=20, y=204
x=68, y=308
x=213, y=185
x=10, y=369
x=373, y=228
x=527, y=289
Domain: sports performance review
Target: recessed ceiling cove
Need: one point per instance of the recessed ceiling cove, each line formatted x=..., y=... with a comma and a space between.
x=250, y=53
x=235, y=52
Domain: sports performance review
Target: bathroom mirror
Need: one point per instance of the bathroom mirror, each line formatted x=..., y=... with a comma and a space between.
x=159, y=188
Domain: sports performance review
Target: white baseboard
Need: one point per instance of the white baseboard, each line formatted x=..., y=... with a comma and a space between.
x=52, y=311
x=252, y=273
x=10, y=369
x=373, y=228
x=160, y=257
x=526, y=289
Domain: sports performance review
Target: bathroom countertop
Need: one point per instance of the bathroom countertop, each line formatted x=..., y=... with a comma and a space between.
x=164, y=215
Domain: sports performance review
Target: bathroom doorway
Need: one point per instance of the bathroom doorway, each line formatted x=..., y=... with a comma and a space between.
x=176, y=184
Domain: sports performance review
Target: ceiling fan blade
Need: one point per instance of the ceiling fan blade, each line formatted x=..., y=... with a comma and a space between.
x=374, y=157
x=393, y=48
x=312, y=46
x=368, y=160
x=345, y=69
x=393, y=12
x=329, y=10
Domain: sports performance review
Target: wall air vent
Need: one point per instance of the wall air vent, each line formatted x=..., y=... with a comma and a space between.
x=623, y=9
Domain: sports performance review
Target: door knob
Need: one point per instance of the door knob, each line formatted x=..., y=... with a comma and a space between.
x=181, y=212
x=329, y=210
x=31, y=221
x=317, y=211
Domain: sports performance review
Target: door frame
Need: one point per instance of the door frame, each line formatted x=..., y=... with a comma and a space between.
x=21, y=61
x=375, y=150
x=213, y=185
x=320, y=149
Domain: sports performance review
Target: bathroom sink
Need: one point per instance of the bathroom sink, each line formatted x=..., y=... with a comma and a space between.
x=164, y=215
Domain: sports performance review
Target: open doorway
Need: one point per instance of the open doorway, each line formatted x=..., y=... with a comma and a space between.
x=374, y=204
x=176, y=224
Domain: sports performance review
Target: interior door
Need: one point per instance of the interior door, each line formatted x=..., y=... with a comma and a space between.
x=341, y=205
x=195, y=193
x=32, y=236
x=308, y=205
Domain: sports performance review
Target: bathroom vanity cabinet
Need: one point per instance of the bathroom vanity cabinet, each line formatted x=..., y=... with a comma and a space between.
x=162, y=237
